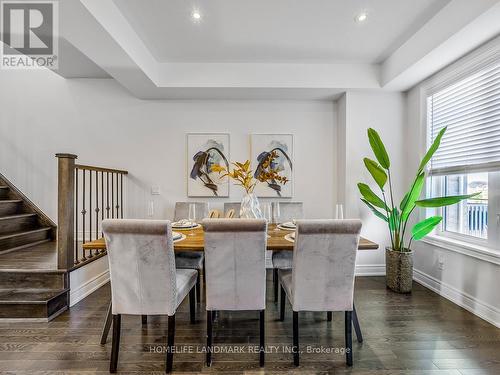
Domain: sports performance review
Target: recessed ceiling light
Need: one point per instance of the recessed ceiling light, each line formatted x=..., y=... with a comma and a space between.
x=196, y=15
x=362, y=17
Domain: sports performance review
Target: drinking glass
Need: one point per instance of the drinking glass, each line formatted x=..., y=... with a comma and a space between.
x=276, y=215
x=339, y=211
x=192, y=215
x=267, y=212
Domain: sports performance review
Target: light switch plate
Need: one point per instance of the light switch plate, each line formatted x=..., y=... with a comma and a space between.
x=155, y=190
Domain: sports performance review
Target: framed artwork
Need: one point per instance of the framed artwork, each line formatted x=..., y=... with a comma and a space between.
x=261, y=146
x=203, y=151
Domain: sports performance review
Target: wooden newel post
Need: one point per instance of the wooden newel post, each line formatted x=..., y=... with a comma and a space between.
x=66, y=211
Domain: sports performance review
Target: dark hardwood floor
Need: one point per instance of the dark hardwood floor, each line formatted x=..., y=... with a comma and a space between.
x=413, y=334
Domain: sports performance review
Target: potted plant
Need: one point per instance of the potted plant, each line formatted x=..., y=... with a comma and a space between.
x=244, y=177
x=399, y=256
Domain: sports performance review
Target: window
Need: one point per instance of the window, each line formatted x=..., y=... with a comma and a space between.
x=468, y=160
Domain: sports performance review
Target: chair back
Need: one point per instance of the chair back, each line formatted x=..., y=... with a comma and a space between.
x=289, y=211
x=182, y=210
x=235, y=263
x=232, y=210
x=141, y=266
x=324, y=259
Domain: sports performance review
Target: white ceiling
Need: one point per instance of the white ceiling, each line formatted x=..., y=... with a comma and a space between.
x=299, y=31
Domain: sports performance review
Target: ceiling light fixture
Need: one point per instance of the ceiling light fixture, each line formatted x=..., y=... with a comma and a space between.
x=196, y=15
x=362, y=17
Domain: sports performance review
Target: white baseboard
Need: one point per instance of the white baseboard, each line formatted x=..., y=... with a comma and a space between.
x=370, y=270
x=483, y=310
x=90, y=286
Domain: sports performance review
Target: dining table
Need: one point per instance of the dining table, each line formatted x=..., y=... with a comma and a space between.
x=193, y=240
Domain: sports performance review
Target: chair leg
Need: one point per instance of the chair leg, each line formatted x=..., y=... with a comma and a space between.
x=348, y=337
x=209, y=338
x=144, y=319
x=355, y=323
x=170, y=344
x=192, y=305
x=275, y=283
x=329, y=316
x=115, y=346
x=295, y=338
x=262, y=338
x=282, y=304
x=107, y=325
x=204, y=281
x=198, y=287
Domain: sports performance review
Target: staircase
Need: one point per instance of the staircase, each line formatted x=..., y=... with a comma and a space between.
x=31, y=286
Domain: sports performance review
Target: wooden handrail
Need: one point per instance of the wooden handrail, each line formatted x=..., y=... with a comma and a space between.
x=100, y=169
x=87, y=196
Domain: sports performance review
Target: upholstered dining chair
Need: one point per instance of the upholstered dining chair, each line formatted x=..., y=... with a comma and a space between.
x=322, y=276
x=236, y=270
x=144, y=280
x=232, y=210
x=192, y=260
x=283, y=259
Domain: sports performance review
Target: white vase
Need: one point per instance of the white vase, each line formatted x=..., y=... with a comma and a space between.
x=250, y=207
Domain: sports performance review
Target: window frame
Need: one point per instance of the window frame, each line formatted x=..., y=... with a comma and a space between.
x=486, y=249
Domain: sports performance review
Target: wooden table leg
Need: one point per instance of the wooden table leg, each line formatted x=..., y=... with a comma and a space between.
x=107, y=326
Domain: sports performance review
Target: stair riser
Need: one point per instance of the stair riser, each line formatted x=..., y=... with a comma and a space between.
x=18, y=224
x=31, y=280
x=4, y=193
x=9, y=243
x=10, y=208
x=34, y=310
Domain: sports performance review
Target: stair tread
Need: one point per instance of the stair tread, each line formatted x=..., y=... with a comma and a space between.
x=17, y=216
x=23, y=232
x=3, y=187
x=29, y=296
x=40, y=256
x=10, y=200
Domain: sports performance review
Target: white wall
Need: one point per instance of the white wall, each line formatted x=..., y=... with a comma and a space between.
x=466, y=280
x=42, y=114
x=385, y=112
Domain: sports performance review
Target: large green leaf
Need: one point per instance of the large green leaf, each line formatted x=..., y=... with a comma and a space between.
x=378, y=148
x=394, y=219
x=431, y=150
x=444, y=201
x=408, y=203
x=376, y=171
x=422, y=229
x=375, y=211
x=370, y=196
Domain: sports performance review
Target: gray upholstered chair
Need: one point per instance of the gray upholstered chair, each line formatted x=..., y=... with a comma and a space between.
x=144, y=280
x=322, y=276
x=228, y=206
x=191, y=259
x=236, y=270
x=283, y=259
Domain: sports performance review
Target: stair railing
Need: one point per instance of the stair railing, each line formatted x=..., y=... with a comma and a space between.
x=86, y=196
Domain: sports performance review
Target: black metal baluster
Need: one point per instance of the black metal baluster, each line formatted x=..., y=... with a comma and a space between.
x=76, y=217
x=107, y=194
x=121, y=195
x=90, y=210
x=83, y=213
x=96, y=208
x=112, y=195
x=102, y=201
x=117, y=198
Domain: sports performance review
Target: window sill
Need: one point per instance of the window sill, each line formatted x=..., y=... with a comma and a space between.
x=462, y=247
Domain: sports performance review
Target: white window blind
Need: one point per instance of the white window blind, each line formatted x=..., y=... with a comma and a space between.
x=470, y=109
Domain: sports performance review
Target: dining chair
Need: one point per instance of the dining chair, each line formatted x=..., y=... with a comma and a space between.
x=322, y=276
x=232, y=210
x=144, y=280
x=236, y=271
x=283, y=259
x=192, y=260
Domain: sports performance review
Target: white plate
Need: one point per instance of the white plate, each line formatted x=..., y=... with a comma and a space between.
x=178, y=236
x=290, y=237
x=189, y=225
x=286, y=226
